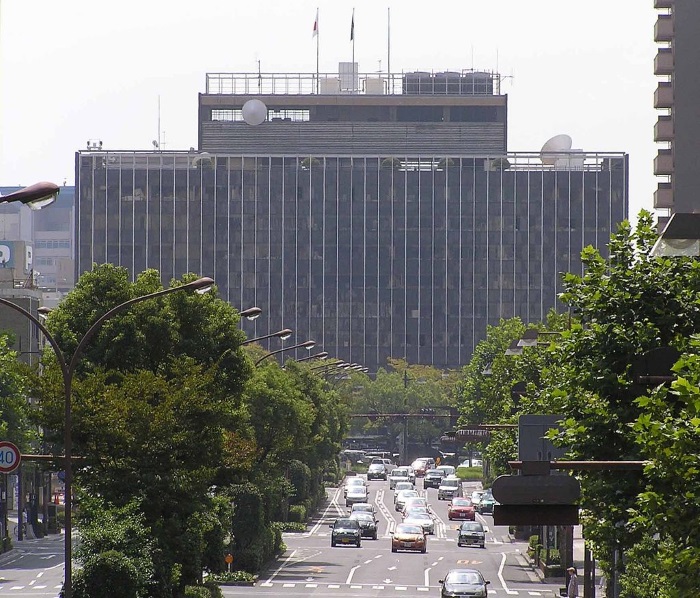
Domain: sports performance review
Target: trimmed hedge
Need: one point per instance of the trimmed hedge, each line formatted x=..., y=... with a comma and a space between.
x=297, y=513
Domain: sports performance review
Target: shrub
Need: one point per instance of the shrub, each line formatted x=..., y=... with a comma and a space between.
x=232, y=576
x=297, y=513
x=109, y=574
x=469, y=473
x=290, y=526
x=197, y=592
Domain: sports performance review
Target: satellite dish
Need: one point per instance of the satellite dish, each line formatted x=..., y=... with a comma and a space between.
x=554, y=148
x=254, y=112
x=202, y=159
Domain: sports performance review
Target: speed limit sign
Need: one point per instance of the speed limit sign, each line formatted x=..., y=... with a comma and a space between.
x=10, y=457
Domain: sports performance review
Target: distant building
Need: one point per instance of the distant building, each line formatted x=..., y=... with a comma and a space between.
x=382, y=217
x=678, y=127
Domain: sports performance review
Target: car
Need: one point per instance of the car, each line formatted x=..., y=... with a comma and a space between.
x=388, y=464
x=353, y=481
x=471, y=532
x=402, y=486
x=355, y=494
x=422, y=464
x=401, y=498
x=368, y=523
x=414, y=501
x=408, y=537
x=376, y=471
x=422, y=519
x=415, y=510
x=400, y=474
x=464, y=582
x=363, y=507
x=346, y=531
x=461, y=508
x=486, y=504
x=432, y=478
x=476, y=497
x=449, y=488
x=447, y=469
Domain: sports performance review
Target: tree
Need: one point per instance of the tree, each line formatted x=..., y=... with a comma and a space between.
x=627, y=304
x=15, y=410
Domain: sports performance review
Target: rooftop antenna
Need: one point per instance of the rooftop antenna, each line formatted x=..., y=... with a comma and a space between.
x=158, y=140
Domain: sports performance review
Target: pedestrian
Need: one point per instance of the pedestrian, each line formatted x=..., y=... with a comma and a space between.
x=572, y=586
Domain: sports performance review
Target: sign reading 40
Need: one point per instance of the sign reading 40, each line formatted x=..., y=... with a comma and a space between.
x=10, y=457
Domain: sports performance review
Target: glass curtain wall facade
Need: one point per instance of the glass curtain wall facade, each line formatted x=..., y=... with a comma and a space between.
x=372, y=257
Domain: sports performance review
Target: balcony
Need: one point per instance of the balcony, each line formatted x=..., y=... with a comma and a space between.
x=663, y=196
x=663, y=95
x=663, y=29
x=663, y=163
x=663, y=129
x=663, y=63
x=664, y=3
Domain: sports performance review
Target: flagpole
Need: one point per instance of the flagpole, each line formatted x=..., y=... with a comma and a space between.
x=388, y=47
x=352, y=37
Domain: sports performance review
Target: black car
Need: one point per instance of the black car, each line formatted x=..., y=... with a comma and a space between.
x=346, y=531
x=432, y=478
x=471, y=532
x=377, y=471
x=368, y=524
x=464, y=582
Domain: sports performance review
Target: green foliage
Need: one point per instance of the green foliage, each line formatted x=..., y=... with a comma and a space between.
x=108, y=574
x=469, y=473
x=15, y=410
x=297, y=513
x=239, y=576
x=644, y=575
x=290, y=526
x=197, y=592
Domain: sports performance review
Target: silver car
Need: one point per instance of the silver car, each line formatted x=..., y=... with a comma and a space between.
x=422, y=519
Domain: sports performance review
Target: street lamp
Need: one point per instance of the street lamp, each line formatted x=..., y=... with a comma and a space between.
x=681, y=236
x=68, y=365
x=283, y=334
x=321, y=355
x=36, y=196
x=305, y=345
x=251, y=313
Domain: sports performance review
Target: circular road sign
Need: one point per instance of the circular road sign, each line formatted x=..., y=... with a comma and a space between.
x=10, y=457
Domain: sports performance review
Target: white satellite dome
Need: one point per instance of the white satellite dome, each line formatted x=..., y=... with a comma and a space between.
x=554, y=148
x=254, y=112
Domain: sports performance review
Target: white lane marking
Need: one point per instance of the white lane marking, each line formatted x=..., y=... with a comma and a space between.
x=377, y=587
x=423, y=589
x=400, y=588
x=387, y=581
x=391, y=568
x=534, y=593
x=352, y=572
x=288, y=585
x=433, y=564
x=355, y=587
x=284, y=563
x=368, y=562
x=333, y=503
x=333, y=586
x=266, y=584
x=426, y=576
x=39, y=574
x=500, y=575
x=311, y=585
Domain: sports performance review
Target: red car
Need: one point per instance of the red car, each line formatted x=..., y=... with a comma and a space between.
x=461, y=508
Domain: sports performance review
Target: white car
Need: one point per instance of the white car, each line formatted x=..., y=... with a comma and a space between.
x=401, y=497
x=355, y=494
x=422, y=519
x=353, y=481
x=402, y=486
x=449, y=488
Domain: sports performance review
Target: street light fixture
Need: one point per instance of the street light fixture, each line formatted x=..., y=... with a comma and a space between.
x=681, y=237
x=283, y=334
x=305, y=345
x=68, y=366
x=36, y=196
x=321, y=355
x=251, y=313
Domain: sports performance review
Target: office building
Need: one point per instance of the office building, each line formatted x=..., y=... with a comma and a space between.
x=381, y=216
x=678, y=127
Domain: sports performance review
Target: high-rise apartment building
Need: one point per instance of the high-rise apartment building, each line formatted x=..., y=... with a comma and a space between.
x=379, y=215
x=677, y=95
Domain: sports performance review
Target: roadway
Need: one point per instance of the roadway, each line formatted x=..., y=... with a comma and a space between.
x=311, y=567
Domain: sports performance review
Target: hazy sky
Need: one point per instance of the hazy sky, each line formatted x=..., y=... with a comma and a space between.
x=90, y=69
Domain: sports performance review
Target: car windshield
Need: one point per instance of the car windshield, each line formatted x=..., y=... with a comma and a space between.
x=450, y=483
x=399, y=472
x=363, y=507
x=346, y=523
x=355, y=482
x=408, y=494
x=463, y=577
x=420, y=515
x=472, y=527
x=362, y=516
x=461, y=502
x=407, y=528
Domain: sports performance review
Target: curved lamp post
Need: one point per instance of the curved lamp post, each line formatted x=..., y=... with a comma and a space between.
x=251, y=313
x=305, y=345
x=68, y=365
x=283, y=334
x=36, y=196
x=321, y=355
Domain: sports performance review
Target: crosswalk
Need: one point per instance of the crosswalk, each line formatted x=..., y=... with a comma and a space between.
x=339, y=587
